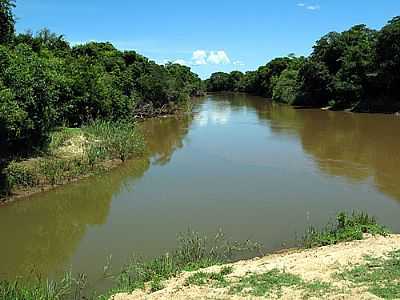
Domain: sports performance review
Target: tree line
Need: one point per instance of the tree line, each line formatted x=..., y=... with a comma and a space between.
x=45, y=83
x=356, y=69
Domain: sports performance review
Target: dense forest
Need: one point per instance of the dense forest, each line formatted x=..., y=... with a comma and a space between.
x=45, y=83
x=357, y=69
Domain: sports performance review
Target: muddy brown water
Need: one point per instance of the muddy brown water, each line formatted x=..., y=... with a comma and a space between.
x=257, y=170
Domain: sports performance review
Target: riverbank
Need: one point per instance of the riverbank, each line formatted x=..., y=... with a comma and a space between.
x=73, y=154
x=362, y=269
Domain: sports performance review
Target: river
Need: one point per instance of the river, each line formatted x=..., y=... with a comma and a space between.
x=255, y=169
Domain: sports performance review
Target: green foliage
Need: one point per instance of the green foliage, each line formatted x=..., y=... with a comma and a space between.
x=380, y=275
x=315, y=85
x=355, y=69
x=285, y=87
x=220, y=82
x=387, y=81
x=44, y=84
x=44, y=171
x=346, y=228
x=7, y=21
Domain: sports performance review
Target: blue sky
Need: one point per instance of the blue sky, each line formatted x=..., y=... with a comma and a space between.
x=208, y=35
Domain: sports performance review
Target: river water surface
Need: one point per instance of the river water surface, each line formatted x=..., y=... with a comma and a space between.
x=257, y=170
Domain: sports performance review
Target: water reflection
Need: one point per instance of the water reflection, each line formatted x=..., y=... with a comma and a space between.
x=241, y=163
x=357, y=147
x=165, y=135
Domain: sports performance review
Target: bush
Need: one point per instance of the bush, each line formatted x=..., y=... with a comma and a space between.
x=20, y=175
x=347, y=228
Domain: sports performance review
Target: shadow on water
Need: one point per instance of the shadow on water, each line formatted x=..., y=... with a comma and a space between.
x=357, y=147
x=42, y=232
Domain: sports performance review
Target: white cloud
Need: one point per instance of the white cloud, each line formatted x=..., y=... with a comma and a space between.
x=199, y=57
x=313, y=7
x=203, y=57
x=218, y=58
x=309, y=7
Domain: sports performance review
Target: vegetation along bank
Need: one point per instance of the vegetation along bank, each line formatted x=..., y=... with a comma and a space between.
x=91, y=91
x=357, y=69
x=353, y=257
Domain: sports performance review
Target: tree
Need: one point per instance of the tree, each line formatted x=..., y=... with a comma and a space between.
x=388, y=60
x=220, y=81
x=7, y=21
x=315, y=85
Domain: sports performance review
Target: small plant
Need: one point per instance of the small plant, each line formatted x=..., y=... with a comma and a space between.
x=347, y=228
x=201, y=278
x=156, y=284
x=95, y=153
x=53, y=170
x=20, y=175
x=267, y=283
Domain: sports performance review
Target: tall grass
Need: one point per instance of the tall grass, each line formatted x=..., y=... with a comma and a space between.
x=68, y=288
x=118, y=139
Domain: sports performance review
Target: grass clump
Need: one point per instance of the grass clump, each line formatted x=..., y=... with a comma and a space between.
x=381, y=276
x=194, y=252
x=272, y=283
x=202, y=278
x=348, y=227
x=266, y=284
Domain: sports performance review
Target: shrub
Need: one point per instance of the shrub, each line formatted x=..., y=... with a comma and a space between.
x=20, y=175
x=347, y=228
